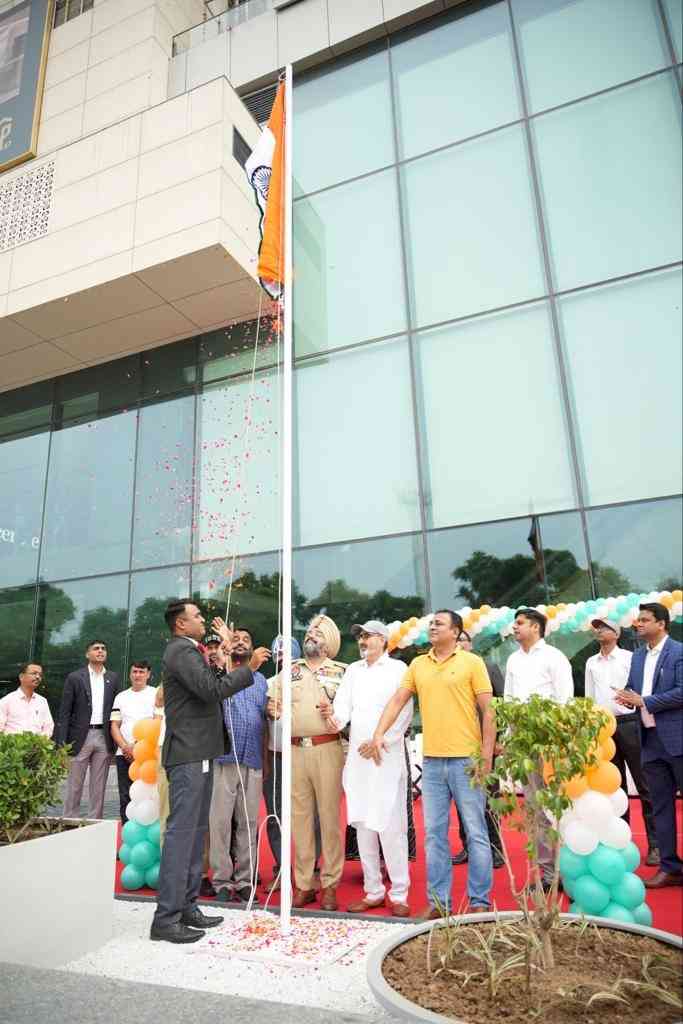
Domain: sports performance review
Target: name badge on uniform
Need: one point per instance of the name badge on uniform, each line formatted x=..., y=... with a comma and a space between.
x=205, y=767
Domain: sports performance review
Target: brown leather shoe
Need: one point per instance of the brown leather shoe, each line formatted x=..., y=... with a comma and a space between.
x=399, y=909
x=328, y=898
x=363, y=905
x=663, y=879
x=479, y=910
x=653, y=859
x=302, y=897
x=429, y=913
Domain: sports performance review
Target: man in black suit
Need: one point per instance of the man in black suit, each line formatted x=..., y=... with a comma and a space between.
x=84, y=716
x=195, y=735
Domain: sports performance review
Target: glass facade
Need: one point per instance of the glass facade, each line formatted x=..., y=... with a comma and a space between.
x=487, y=313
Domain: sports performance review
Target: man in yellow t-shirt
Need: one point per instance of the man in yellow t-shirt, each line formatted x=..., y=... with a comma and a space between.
x=454, y=692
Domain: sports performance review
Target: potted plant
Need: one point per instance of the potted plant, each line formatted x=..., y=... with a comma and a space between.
x=56, y=875
x=534, y=963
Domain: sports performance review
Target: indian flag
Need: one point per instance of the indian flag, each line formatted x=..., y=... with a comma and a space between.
x=265, y=170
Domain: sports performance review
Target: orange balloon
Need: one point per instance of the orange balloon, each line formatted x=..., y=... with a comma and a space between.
x=608, y=749
x=551, y=611
x=144, y=751
x=412, y=622
x=575, y=787
x=475, y=616
x=606, y=778
x=134, y=771
x=677, y=595
x=394, y=639
x=667, y=600
x=403, y=629
x=607, y=730
x=148, y=772
x=485, y=609
x=147, y=729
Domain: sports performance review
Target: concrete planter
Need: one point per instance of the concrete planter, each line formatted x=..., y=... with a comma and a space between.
x=403, y=1009
x=57, y=895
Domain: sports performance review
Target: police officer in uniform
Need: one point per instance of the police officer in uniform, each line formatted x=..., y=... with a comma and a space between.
x=317, y=762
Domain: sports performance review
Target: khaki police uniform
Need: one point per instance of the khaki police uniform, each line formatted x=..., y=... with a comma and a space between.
x=317, y=765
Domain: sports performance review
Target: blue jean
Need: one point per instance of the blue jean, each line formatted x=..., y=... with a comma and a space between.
x=445, y=779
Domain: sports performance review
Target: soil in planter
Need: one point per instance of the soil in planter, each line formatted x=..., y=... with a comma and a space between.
x=584, y=964
x=46, y=827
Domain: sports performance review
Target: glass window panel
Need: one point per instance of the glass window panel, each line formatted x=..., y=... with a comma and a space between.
x=98, y=389
x=16, y=630
x=454, y=80
x=379, y=579
x=89, y=498
x=637, y=547
x=229, y=351
x=236, y=473
x=609, y=333
x=23, y=464
x=674, y=17
x=611, y=180
x=477, y=476
x=572, y=48
x=471, y=229
x=150, y=592
x=343, y=123
x=162, y=527
x=168, y=369
x=26, y=408
x=253, y=599
x=347, y=253
x=352, y=410
x=70, y=616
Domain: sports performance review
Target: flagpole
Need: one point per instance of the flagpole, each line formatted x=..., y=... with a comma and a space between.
x=286, y=491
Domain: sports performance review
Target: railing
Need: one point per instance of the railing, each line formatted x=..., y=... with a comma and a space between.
x=233, y=13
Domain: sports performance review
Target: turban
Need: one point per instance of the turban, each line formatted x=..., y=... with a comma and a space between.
x=330, y=633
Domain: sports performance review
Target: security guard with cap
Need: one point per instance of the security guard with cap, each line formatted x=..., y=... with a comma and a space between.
x=317, y=762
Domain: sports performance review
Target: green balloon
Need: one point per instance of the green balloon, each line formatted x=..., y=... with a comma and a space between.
x=124, y=854
x=631, y=856
x=642, y=915
x=152, y=876
x=592, y=895
x=572, y=865
x=615, y=912
x=568, y=885
x=133, y=833
x=132, y=877
x=154, y=832
x=607, y=865
x=629, y=891
x=143, y=855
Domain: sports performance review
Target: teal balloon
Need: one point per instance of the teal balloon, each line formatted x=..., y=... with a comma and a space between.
x=607, y=865
x=568, y=885
x=132, y=877
x=592, y=895
x=124, y=854
x=629, y=891
x=622, y=607
x=143, y=855
x=632, y=599
x=572, y=865
x=133, y=833
x=574, y=908
x=152, y=876
x=154, y=833
x=615, y=912
x=642, y=915
x=630, y=856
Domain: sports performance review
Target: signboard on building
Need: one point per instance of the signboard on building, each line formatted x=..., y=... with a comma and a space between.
x=24, y=37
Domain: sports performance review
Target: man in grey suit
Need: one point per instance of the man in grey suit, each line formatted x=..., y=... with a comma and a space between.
x=195, y=735
x=84, y=715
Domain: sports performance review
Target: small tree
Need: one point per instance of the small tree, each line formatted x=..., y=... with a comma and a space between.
x=545, y=746
x=31, y=770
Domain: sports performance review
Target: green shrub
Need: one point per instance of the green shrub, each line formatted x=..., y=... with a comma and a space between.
x=31, y=770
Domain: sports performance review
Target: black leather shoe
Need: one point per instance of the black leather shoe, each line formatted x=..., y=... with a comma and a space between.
x=460, y=858
x=243, y=896
x=224, y=895
x=177, y=932
x=195, y=919
x=498, y=861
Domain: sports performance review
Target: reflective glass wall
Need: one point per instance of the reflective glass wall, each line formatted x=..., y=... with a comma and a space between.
x=487, y=361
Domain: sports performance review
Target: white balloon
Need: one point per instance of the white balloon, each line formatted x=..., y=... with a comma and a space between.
x=619, y=801
x=130, y=811
x=616, y=832
x=142, y=791
x=146, y=812
x=579, y=838
x=594, y=809
x=566, y=820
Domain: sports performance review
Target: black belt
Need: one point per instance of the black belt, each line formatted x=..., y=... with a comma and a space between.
x=627, y=718
x=96, y=727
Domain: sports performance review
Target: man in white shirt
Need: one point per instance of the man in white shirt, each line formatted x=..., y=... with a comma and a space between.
x=606, y=673
x=130, y=706
x=536, y=668
x=24, y=710
x=375, y=793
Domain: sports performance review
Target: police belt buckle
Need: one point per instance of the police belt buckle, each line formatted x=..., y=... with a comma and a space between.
x=305, y=741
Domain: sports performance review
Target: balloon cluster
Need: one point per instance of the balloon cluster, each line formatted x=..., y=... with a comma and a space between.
x=598, y=857
x=562, y=618
x=141, y=851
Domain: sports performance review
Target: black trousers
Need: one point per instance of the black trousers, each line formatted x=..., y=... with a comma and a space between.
x=628, y=754
x=664, y=774
x=124, y=781
x=180, y=871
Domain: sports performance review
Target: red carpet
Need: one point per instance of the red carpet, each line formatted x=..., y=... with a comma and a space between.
x=666, y=904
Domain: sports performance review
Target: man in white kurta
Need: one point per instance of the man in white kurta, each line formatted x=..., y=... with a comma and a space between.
x=376, y=795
